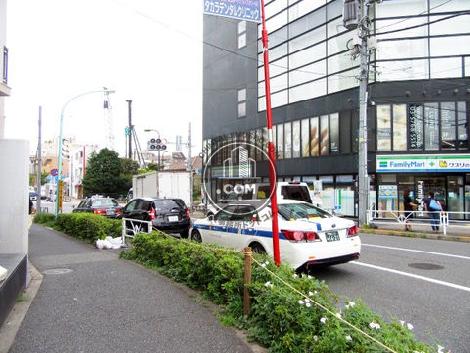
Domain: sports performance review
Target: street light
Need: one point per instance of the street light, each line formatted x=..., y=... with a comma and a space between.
x=59, y=158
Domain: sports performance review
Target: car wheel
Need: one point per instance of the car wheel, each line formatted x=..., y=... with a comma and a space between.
x=196, y=236
x=185, y=234
x=257, y=248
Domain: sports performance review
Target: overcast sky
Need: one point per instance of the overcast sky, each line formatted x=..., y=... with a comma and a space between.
x=61, y=48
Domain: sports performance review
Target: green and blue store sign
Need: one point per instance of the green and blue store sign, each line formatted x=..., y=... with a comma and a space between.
x=427, y=163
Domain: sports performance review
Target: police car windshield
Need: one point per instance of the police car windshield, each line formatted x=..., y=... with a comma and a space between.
x=294, y=211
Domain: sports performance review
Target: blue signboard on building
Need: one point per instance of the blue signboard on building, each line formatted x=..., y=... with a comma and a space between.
x=247, y=10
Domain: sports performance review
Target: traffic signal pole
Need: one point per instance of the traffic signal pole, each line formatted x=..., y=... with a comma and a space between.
x=271, y=147
x=129, y=151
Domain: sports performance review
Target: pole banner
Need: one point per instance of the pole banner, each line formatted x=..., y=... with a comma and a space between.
x=247, y=10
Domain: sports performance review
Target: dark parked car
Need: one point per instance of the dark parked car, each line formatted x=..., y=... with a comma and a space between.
x=102, y=206
x=170, y=215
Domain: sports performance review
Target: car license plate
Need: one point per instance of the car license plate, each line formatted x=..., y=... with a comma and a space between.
x=172, y=218
x=332, y=236
x=109, y=212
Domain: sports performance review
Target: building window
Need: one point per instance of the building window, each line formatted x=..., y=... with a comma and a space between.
x=305, y=138
x=324, y=135
x=462, y=124
x=448, y=126
x=384, y=128
x=314, y=137
x=5, y=65
x=399, y=127
x=296, y=144
x=241, y=103
x=280, y=141
x=415, y=127
x=241, y=30
x=287, y=140
x=431, y=127
x=334, y=133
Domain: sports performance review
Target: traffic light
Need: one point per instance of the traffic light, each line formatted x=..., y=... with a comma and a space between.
x=156, y=144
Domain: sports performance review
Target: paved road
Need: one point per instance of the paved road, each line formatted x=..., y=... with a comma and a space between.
x=106, y=305
x=425, y=282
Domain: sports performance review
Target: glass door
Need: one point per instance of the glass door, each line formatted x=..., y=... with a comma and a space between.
x=455, y=196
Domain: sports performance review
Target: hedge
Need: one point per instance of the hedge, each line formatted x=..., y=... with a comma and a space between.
x=280, y=318
x=85, y=226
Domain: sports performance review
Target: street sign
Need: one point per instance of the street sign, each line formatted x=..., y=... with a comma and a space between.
x=61, y=194
x=247, y=10
x=54, y=172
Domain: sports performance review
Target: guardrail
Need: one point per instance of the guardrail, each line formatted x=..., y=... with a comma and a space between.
x=438, y=219
x=130, y=227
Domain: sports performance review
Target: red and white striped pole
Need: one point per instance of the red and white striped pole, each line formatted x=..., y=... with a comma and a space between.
x=271, y=147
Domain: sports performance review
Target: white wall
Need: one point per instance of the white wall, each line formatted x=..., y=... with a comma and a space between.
x=14, y=195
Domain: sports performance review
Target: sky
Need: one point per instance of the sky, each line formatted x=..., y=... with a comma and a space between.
x=149, y=51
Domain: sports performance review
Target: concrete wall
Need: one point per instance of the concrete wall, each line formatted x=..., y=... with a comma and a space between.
x=14, y=196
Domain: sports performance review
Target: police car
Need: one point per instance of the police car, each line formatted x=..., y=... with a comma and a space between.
x=308, y=235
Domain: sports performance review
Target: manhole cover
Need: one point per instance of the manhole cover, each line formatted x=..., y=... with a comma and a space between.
x=57, y=271
x=425, y=266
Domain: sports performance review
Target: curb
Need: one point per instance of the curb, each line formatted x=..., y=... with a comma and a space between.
x=410, y=234
x=13, y=322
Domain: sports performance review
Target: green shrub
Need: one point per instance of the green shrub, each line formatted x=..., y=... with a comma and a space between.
x=44, y=218
x=85, y=226
x=277, y=320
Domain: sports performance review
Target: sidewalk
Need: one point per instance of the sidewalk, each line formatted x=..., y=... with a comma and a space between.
x=101, y=304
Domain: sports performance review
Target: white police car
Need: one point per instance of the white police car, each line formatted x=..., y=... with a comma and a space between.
x=308, y=235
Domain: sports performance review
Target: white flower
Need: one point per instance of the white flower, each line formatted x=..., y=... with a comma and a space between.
x=440, y=349
x=308, y=276
x=301, y=302
x=352, y=304
x=310, y=294
x=266, y=263
x=269, y=284
x=410, y=326
x=348, y=338
x=263, y=265
x=307, y=300
x=402, y=322
x=315, y=338
x=338, y=315
x=323, y=320
x=308, y=305
x=295, y=275
x=374, y=325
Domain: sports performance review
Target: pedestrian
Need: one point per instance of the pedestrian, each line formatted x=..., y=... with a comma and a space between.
x=410, y=206
x=434, y=208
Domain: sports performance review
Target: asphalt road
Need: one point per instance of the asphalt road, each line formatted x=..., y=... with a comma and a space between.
x=107, y=305
x=424, y=282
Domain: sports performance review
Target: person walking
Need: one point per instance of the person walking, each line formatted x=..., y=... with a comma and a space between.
x=434, y=208
x=410, y=206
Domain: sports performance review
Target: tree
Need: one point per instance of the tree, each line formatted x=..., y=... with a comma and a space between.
x=105, y=174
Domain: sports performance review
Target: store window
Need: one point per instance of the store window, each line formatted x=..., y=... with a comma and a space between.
x=305, y=141
x=448, y=126
x=384, y=128
x=287, y=140
x=324, y=135
x=280, y=141
x=462, y=124
x=399, y=127
x=334, y=133
x=314, y=137
x=296, y=143
x=431, y=127
x=415, y=127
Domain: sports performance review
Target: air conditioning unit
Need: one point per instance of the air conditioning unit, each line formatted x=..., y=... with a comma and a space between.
x=351, y=16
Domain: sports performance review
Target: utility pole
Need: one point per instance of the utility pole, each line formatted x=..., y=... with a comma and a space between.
x=39, y=161
x=129, y=150
x=190, y=167
x=364, y=185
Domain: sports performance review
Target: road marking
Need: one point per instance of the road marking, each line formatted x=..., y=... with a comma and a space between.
x=417, y=251
x=427, y=279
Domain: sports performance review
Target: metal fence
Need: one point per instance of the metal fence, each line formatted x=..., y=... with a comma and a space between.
x=130, y=227
x=438, y=219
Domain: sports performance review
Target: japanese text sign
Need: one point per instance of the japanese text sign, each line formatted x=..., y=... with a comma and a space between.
x=247, y=10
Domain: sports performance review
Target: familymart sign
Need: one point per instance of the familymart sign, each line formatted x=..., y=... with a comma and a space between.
x=427, y=163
